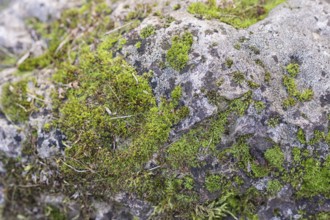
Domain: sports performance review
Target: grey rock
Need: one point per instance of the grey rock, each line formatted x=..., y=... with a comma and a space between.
x=15, y=35
x=10, y=138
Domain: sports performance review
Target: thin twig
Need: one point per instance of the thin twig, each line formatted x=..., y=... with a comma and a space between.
x=121, y=117
x=78, y=171
x=118, y=28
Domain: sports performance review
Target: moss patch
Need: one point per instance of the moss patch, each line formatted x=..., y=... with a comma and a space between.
x=147, y=31
x=239, y=14
x=18, y=102
x=291, y=87
x=177, y=56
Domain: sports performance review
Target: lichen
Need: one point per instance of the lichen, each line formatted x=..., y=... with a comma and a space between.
x=178, y=55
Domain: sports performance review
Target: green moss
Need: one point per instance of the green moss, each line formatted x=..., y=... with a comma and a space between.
x=178, y=55
x=241, y=152
x=253, y=85
x=273, y=187
x=35, y=63
x=240, y=105
x=259, y=106
x=293, y=69
x=18, y=102
x=54, y=213
x=296, y=153
x=229, y=62
x=273, y=122
x=138, y=45
x=267, y=77
x=240, y=14
x=237, y=46
x=184, y=152
x=301, y=136
x=121, y=43
x=306, y=95
x=323, y=216
x=275, y=157
x=47, y=127
x=6, y=60
x=315, y=178
x=289, y=102
x=291, y=86
x=213, y=183
x=318, y=137
x=176, y=7
x=238, y=77
x=139, y=12
x=260, y=63
x=327, y=138
x=188, y=182
x=147, y=31
x=217, y=209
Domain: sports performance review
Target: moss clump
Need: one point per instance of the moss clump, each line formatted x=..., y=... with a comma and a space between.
x=229, y=63
x=147, y=31
x=273, y=121
x=184, y=152
x=93, y=19
x=273, y=187
x=267, y=77
x=177, y=56
x=239, y=14
x=244, y=160
x=306, y=95
x=139, y=12
x=253, y=85
x=275, y=157
x=238, y=77
x=259, y=106
x=237, y=46
x=291, y=87
x=176, y=7
x=35, y=63
x=6, y=60
x=318, y=137
x=18, y=102
x=213, y=183
x=315, y=178
x=289, y=102
x=301, y=136
x=293, y=69
x=260, y=63
x=54, y=213
x=138, y=45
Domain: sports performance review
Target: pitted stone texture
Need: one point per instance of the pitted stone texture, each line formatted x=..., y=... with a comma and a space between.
x=295, y=31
